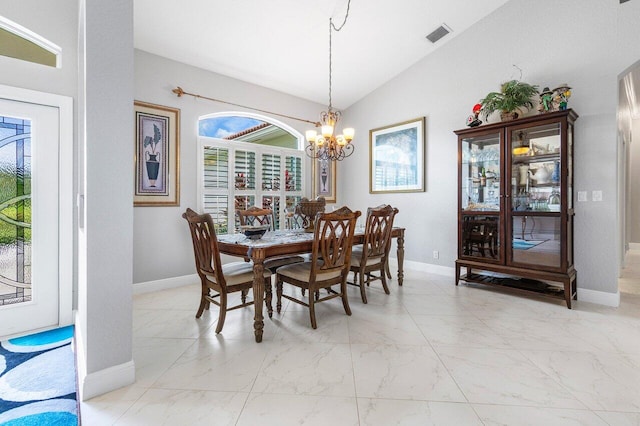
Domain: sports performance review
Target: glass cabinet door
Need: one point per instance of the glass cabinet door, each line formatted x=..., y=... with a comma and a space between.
x=536, y=195
x=480, y=173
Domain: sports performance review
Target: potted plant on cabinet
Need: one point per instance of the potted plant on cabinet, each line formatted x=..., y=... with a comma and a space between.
x=514, y=96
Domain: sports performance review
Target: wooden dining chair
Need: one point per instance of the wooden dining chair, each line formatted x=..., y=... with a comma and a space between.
x=255, y=215
x=373, y=255
x=329, y=264
x=214, y=276
x=260, y=216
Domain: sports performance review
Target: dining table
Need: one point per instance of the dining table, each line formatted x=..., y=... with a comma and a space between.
x=280, y=243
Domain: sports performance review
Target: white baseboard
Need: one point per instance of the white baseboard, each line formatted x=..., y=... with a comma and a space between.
x=634, y=246
x=106, y=380
x=599, y=297
x=148, y=286
x=410, y=265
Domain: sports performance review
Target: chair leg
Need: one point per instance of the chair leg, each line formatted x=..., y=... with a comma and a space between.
x=312, y=309
x=268, y=297
x=383, y=278
x=363, y=292
x=279, y=293
x=244, y=296
x=345, y=301
x=204, y=303
x=223, y=312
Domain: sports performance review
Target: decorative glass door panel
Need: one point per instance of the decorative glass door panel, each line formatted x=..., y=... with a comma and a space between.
x=481, y=237
x=536, y=240
x=15, y=210
x=535, y=168
x=480, y=173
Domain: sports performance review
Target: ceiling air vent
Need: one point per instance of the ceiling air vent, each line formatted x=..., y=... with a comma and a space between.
x=438, y=33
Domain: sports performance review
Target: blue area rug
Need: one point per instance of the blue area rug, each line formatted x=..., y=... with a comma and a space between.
x=519, y=244
x=38, y=380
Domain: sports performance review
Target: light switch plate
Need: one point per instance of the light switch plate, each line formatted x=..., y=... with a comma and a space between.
x=596, y=195
x=582, y=195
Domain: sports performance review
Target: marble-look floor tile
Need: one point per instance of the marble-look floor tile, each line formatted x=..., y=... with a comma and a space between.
x=153, y=356
x=500, y=415
x=295, y=326
x=619, y=419
x=384, y=412
x=402, y=372
x=212, y=364
x=503, y=376
x=105, y=410
x=386, y=329
x=438, y=305
x=184, y=298
x=541, y=333
x=307, y=369
x=613, y=335
x=184, y=407
x=172, y=323
x=462, y=331
x=602, y=381
x=295, y=410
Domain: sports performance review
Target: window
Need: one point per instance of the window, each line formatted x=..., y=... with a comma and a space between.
x=20, y=43
x=246, y=162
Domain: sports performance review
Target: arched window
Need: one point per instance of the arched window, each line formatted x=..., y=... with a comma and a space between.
x=21, y=43
x=245, y=160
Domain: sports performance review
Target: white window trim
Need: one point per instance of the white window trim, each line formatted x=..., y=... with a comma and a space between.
x=29, y=35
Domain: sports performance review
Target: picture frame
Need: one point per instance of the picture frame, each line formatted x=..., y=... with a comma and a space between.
x=324, y=179
x=157, y=155
x=397, y=157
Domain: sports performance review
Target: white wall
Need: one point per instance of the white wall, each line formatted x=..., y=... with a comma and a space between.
x=634, y=182
x=162, y=246
x=585, y=43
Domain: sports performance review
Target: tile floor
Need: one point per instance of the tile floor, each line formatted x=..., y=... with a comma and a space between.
x=430, y=353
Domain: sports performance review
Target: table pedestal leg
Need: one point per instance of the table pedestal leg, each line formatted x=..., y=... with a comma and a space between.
x=258, y=295
x=401, y=257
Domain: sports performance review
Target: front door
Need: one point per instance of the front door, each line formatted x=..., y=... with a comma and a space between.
x=29, y=209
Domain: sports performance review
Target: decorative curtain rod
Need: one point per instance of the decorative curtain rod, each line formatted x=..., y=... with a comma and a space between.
x=178, y=91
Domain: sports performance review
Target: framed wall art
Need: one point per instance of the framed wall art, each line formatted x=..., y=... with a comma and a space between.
x=157, y=155
x=324, y=179
x=396, y=157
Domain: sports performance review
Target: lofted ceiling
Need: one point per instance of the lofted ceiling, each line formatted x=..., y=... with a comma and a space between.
x=284, y=44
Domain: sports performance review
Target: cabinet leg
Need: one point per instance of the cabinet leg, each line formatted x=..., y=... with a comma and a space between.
x=568, y=294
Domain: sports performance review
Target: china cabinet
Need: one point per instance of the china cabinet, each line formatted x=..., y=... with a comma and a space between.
x=515, y=204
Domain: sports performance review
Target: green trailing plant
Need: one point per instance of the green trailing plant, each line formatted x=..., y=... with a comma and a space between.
x=514, y=96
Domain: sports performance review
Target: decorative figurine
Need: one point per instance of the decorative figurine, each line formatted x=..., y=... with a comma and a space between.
x=473, y=120
x=546, y=100
x=562, y=94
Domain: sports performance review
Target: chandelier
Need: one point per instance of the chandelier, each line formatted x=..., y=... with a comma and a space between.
x=326, y=145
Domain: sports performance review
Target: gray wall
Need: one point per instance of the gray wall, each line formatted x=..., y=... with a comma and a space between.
x=162, y=246
x=585, y=43
x=106, y=176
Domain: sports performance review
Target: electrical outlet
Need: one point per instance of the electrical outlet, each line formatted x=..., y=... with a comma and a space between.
x=582, y=195
x=596, y=195
x=436, y=254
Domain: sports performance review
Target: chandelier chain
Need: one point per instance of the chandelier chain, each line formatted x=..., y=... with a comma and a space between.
x=331, y=26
